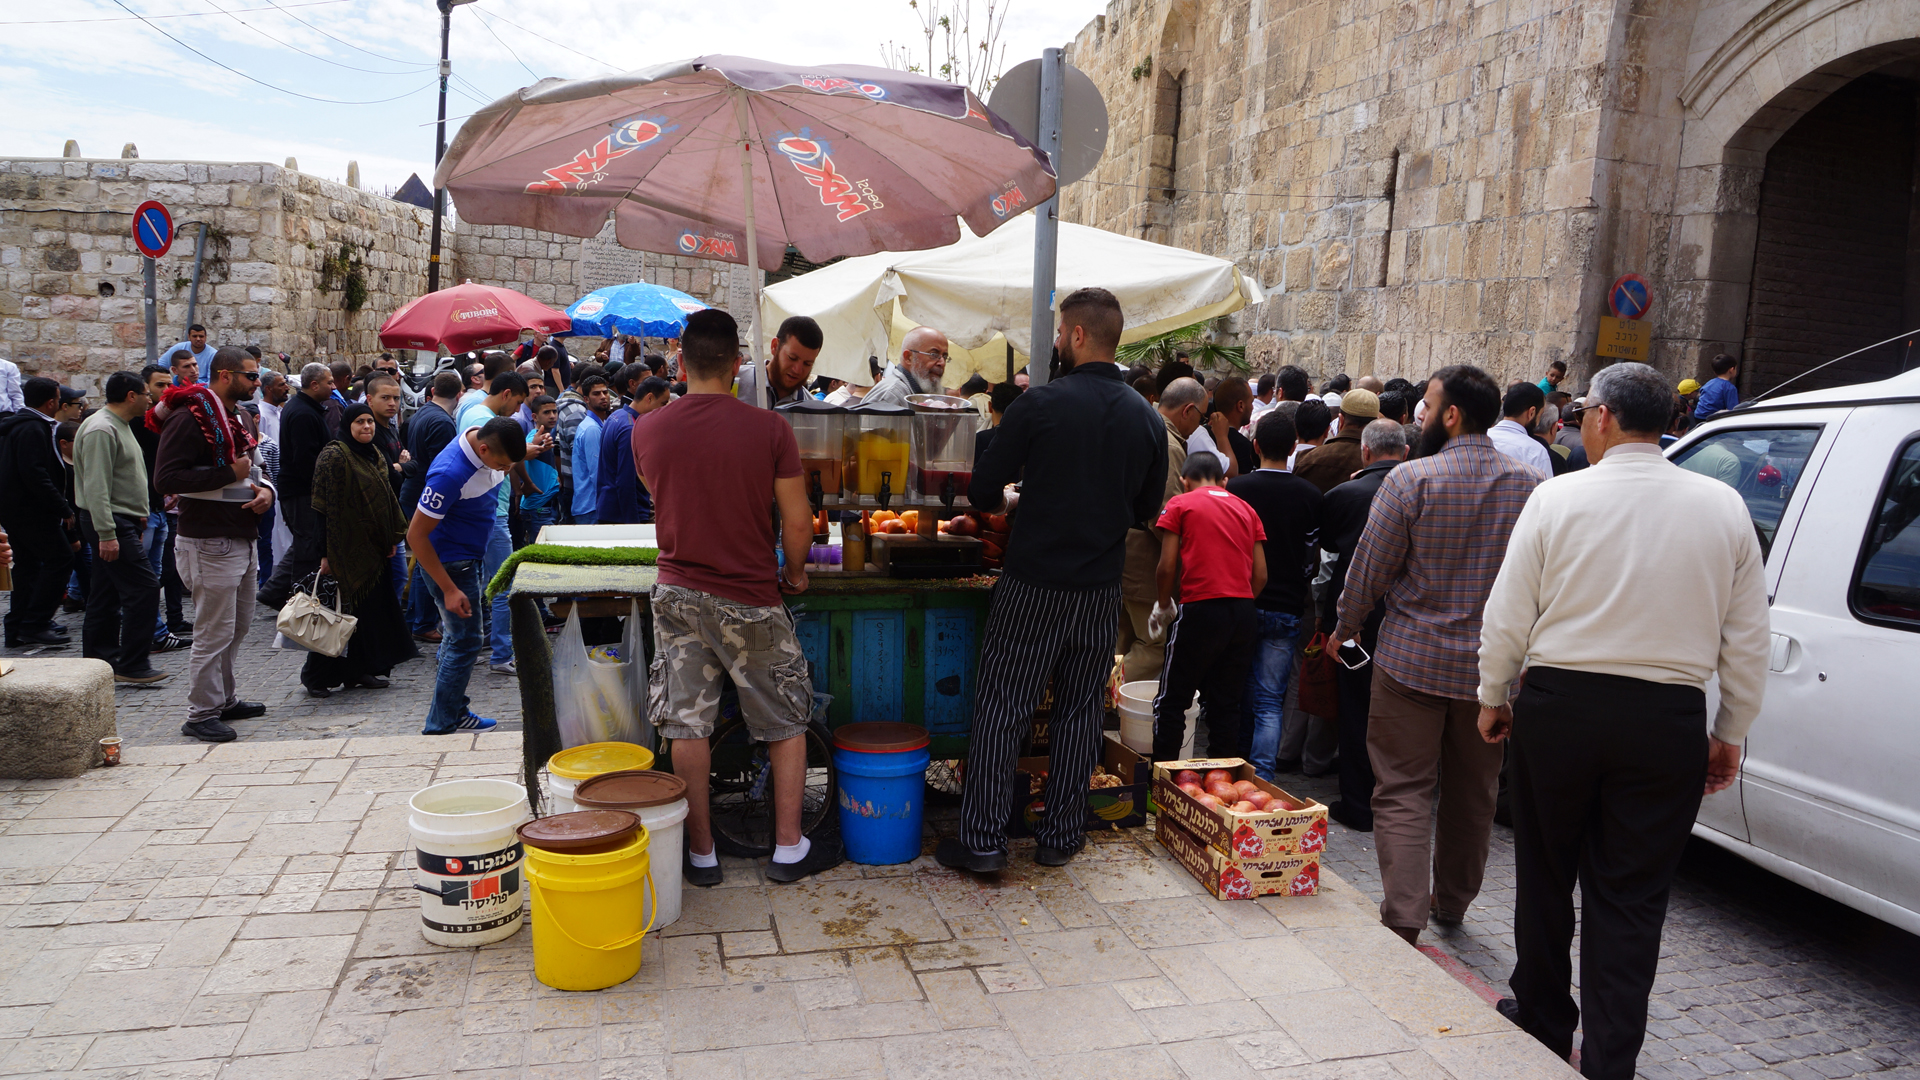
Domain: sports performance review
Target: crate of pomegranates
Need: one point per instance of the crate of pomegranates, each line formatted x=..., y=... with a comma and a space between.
x=1223, y=804
x=1230, y=878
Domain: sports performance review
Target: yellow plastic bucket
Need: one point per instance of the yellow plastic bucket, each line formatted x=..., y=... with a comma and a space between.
x=569, y=768
x=587, y=912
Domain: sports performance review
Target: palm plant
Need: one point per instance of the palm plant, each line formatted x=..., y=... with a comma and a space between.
x=1202, y=352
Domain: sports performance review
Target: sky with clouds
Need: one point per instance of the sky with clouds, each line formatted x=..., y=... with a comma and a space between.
x=240, y=81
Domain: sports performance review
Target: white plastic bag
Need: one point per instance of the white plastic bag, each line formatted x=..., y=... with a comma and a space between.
x=591, y=700
x=633, y=649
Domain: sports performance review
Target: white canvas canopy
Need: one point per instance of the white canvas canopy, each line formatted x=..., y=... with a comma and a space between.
x=979, y=293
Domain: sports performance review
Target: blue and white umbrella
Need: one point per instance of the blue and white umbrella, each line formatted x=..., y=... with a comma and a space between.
x=639, y=309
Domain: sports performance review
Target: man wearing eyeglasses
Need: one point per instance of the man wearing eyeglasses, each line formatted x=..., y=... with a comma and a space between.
x=923, y=360
x=207, y=458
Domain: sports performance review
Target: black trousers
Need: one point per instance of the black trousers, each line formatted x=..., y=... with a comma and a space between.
x=1034, y=637
x=123, y=599
x=1356, y=701
x=303, y=556
x=1209, y=650
x=42, y=559
x=1607, y=775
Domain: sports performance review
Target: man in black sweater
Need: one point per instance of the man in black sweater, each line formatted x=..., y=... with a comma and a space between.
x=36, y=515
x=429, y=430
x=1383, y=445
x=1290, y=512
x=303, y=434
x=1095, y=460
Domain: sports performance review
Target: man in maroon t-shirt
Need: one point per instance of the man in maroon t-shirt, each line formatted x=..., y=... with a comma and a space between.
x=717, y=467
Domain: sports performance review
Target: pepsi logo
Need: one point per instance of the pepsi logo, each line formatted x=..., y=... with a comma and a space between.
x=800, y=149
x=689, y=243
x=591, y=306
x=637, y=133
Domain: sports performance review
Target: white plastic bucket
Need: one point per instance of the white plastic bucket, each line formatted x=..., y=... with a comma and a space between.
x=467, y=860
x=665, y=823
x=1136, y=717
x=567, y=769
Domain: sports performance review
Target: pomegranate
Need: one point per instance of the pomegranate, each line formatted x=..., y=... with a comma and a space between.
x=1244, y=807
x=1225, y=792
x=1245, y=786
x=1260, y=799
x=1185, y=777
x=1220, y=776
x=1207, y=801
x=1194, y=790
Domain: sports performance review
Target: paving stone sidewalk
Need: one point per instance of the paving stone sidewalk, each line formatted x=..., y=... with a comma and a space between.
x=243, y=911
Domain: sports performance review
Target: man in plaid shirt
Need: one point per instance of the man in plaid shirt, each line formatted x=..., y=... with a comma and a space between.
x=1432, y=546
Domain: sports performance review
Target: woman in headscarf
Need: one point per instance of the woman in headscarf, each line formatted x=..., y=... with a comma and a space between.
x=363, y=522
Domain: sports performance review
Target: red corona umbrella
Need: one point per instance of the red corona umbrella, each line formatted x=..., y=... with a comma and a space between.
x=469, y=316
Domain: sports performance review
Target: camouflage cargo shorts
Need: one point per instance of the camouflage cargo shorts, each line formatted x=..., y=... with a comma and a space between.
x=697, y=638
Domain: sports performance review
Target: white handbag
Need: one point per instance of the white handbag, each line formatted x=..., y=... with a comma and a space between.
x=308, y=622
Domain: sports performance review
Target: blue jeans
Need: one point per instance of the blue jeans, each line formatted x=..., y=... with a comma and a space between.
x=500, y=620
x=1266, y=698
x=157, y=529
x=399, y=575
x=421, y=615
x=535, y=518
x=266, y=544
x=459, y=646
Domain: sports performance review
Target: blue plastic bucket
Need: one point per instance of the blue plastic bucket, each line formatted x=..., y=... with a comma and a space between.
x=883, y=783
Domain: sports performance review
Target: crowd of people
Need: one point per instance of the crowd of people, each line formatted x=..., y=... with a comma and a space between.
x=1522, y=592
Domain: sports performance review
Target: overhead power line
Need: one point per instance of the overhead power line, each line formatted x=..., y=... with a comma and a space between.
x=277, y=89
x=175, y=15
x=550, y=41
x=289, y=45
x=282, y=8
x=504, y=45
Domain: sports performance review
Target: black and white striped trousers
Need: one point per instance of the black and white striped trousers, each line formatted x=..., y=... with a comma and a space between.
x=1035, y=636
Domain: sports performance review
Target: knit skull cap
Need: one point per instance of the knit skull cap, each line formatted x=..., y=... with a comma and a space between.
x=1361, y=403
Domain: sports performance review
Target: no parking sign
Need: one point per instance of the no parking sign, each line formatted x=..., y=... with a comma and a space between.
x=152, y=229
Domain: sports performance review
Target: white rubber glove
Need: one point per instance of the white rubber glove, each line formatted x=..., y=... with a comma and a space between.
x=1162, y=617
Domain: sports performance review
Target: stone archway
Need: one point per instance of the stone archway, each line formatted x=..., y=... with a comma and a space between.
x=1757, y=87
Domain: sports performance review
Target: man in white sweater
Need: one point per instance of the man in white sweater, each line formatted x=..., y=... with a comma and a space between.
x=1625, y=587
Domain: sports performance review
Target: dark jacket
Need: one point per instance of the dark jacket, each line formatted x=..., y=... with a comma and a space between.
x=429, y=430
x=1332, y=463
x=184, y=465
x=624, y=500
x=33, y=479
x=303, y=434
x=1343, y=518
x=149, y=441
x=1095, y=455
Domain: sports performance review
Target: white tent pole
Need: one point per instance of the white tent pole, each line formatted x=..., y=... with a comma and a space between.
x=753, y=238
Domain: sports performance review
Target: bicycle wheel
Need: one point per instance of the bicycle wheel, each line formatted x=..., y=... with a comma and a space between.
x=740, y=788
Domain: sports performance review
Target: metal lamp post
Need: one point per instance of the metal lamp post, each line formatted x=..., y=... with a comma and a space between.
x=440, y=139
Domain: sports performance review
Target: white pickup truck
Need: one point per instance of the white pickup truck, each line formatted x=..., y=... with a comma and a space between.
x=1829, y=795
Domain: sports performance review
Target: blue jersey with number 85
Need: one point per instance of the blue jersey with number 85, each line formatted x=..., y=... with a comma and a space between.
x=460, y=493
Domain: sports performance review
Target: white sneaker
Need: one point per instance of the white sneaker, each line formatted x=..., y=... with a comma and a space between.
x=505, y=669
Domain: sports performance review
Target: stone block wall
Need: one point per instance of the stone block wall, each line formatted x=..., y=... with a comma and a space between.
x=1419, y=183
x=71, y=306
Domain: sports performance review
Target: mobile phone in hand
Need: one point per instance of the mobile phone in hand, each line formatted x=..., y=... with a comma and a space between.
x=1352, y=656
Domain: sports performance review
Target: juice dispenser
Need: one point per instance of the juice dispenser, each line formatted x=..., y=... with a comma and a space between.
x=820, y=429
x=876, y=455
x=943, y=430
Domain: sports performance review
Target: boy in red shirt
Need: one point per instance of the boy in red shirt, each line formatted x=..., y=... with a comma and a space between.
x=1210, y=543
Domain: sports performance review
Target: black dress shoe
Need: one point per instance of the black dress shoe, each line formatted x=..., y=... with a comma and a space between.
x=1351, y=818
x=46, y=638
x=208, y=731
x=1052, y=856
x=704, y=876
x=955, y=855
x=243, y=710
x=824, y=854
x=1508, y=1008
x=319, y=691
x=370, y=682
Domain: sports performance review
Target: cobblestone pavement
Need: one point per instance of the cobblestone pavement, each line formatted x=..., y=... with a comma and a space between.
x=244, y=911
x=152, y=714
x=1758, y=977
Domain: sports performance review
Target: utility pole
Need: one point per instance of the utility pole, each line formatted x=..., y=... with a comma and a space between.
x=1046, y=224
x=440, y=140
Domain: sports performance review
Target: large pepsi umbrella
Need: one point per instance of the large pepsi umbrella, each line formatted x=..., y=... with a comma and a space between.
x=734, y=159
x=640, y=309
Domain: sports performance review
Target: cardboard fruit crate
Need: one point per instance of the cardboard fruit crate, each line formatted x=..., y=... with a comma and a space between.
x=1298, y=828
x=1124, y=806
x=1228, y=878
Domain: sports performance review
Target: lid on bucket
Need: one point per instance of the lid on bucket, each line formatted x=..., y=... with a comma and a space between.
x=585, y=830
x=593, y=759
x=880, y=737
x=629, y=789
